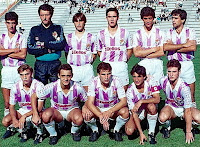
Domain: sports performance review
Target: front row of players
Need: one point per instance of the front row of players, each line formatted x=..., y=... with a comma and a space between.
x=106, y=100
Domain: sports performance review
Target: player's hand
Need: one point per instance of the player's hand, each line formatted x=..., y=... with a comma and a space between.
x=87, y=114
x=16, y=50
x=106, y=126
x=189, y=138
x=15, y=123
x=142, y=139
x=107, y=114
x=189, y=43
x=36, y=119
x=22, y=121
x=169, y=41
x=102, y=119
x=1, y=47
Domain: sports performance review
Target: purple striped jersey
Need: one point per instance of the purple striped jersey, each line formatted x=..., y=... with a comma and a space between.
x=110, y=96
x=17, y=41
x=60, y=100
x=113, y=48
x=80, y=50
x=178, y=97
x=133, y=96
x=153, y=39
x=186, y=33
x=23, y=97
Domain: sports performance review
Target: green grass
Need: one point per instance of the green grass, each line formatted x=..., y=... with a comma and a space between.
x=176, y=139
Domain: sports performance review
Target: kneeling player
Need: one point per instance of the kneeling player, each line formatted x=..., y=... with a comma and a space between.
x=142, y=97
x=21, y=92
x=178, y=102
x=106, y=100
x=65, y=95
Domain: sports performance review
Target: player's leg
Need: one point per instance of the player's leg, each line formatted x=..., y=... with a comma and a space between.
x=75, y=116
x=40, y=71
x=6, y=97
x=195, y=120
x=130, y=127
x=7, y=122
x=53, y=70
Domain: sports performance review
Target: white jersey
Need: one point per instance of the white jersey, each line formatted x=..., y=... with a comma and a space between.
x=110, y=96
x=23, y=97
x=17, y=41
x=60, y=100
x=154, y=39
x=114, y=48
x=133, y=96
x=180, y=96
x=80, y=50
x=181, y=38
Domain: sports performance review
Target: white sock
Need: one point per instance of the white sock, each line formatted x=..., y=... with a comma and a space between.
x=166, y=124
x=6, y=112
x=51, y=128
x=39, y=130
x=92, y=124
x=75, y=128
x=119, y=123
x=152, y=119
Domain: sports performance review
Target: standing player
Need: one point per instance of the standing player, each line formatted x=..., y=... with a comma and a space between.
x=46, y=41
x=148, y=45
x=181, y=44
x=65, y=95
x=178, y=102
x=106, y=100
x=81, y=51
x=21, y=92
x=114, y=46
x=142, y=97
x=13, y=53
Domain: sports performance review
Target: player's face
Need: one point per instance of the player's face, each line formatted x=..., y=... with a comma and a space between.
x=45, y=17
x=105, y=76
x=148, y=21
x=138, y=79
x=173, y=73
x=11, y=26
x=176, y=21
x=79, y=25
x=26, y=76
x=112, y=19
x=65, y=77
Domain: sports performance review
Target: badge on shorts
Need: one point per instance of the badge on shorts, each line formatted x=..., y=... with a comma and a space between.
x=55, y=35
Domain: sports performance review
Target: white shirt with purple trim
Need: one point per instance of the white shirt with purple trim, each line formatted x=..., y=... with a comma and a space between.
x=105, y=98
x=60, y=100
x=80, y=50
x=133, y=95
x=186, y=33
x=18, y=40
x=180, y=96
x=23, y=97
x=113, y=48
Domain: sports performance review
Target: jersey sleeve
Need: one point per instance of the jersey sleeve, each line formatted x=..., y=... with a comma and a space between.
x=99, y=43
x=120, y=89
x=45, y=91
x=129, y=41
x=154, y=86
x=94, y=44
x=192, y=34
x=135, y=39
x=129, y=96
x=91, y=89
x=187, y=97
x=82, y=94
x=24, y=42
x=167, y=36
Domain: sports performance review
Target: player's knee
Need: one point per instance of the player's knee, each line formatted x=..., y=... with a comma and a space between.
x=46, y=116
x=6, y=105
x=78, y=119
x=124, y=112
x=6, y=122
x=152, y=108
x=129, y=130
x=162, y=117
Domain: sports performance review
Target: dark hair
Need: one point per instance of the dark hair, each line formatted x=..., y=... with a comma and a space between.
x=46, y=7
x=11, y=16
x=64, y=67
x=147, y=11
x=112, y=9
x=104, y=66
x=181, y=13
x=24, y=67
x=174, y=63
x=80, y=17
x=140, y=70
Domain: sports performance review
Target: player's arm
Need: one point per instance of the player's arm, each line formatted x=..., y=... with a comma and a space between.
x=13, y=114
x=4, y=52
x=22, y=120
x=129, y=53
x=140, y=52
x=99, y=53
x=118, y=106
x=19, y=55
x=190, y=48
x=94, y=56
x=157, y=54
x=34, y=99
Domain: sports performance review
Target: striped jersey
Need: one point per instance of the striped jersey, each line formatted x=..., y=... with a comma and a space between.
x=180, y=96
x=133, y=95
x=113, y=48
x=80, y=50
x=23, y=97
x=186, y=33
x=110, y=96
x=60, y=100
x=17, y=41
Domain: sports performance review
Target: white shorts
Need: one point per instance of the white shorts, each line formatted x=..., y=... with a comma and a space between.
x=83, y=74
x=187, y=72
x=120, y=69
x=105, y=109
x=24, y=111
x=9, y=76
x=178, y=111
x=66, y=113
x=154, y=68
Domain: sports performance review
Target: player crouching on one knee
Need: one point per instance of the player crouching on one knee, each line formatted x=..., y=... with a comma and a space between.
x=142, y=96
x=106, y=100
x=178, y=102
x=65, y=95
x=21, y=92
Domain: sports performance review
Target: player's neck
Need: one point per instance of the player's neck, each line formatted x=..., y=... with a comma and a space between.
x=79, y=34
x=47, y=25
x=105, y=85
x=11, y=34
x=179, y=29
x=140, y=88
x=148, y=29
x=65, y=88
x=173, y=83
x=112, y=30
x=27, y=86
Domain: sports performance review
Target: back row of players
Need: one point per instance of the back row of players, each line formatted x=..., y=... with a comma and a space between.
x=106, y=93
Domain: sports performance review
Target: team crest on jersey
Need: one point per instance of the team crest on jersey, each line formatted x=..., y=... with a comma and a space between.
x=114, y=93
x=55, y=35
x=179, y=100
x=122, y=42
x=55, y=97
x=88, y=46
x=157, y=41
